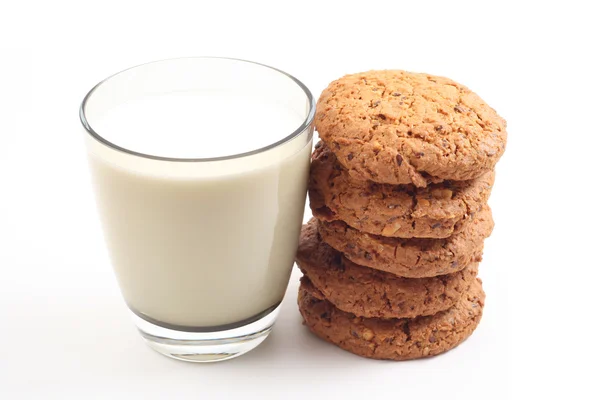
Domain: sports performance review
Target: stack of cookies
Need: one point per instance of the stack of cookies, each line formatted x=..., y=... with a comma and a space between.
x=399, y=187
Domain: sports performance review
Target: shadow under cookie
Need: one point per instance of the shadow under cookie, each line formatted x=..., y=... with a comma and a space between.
x=392, y=339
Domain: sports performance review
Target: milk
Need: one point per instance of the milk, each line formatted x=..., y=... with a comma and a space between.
x=200, y=244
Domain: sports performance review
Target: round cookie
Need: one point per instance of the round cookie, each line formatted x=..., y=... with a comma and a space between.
x=399, y=127
x=410, y=258
x=392, y=339
x=436, y=211
x=375, y=294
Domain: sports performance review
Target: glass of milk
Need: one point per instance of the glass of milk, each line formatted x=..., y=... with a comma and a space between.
x=200, y=167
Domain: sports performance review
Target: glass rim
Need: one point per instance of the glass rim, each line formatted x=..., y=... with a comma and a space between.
x=308, y=120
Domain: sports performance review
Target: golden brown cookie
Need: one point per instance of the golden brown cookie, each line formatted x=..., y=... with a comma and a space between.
x=436, y=211
x=399, y=127
x=392, y=339
x=410, y=258
x=367, y=292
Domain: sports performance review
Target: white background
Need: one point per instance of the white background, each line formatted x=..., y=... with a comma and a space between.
x=64, y=330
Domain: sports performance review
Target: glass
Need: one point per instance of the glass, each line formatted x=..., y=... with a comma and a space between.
x=200, y=168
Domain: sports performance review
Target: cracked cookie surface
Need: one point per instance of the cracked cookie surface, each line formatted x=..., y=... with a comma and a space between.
x=436, y=211
x=367, y=292
x=410, y=258
x=392, y=339
x=399, y=127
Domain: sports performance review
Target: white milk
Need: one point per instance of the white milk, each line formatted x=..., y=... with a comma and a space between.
x=200, y=244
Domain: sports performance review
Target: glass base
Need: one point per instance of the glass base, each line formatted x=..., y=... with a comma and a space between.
x=202, y=347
